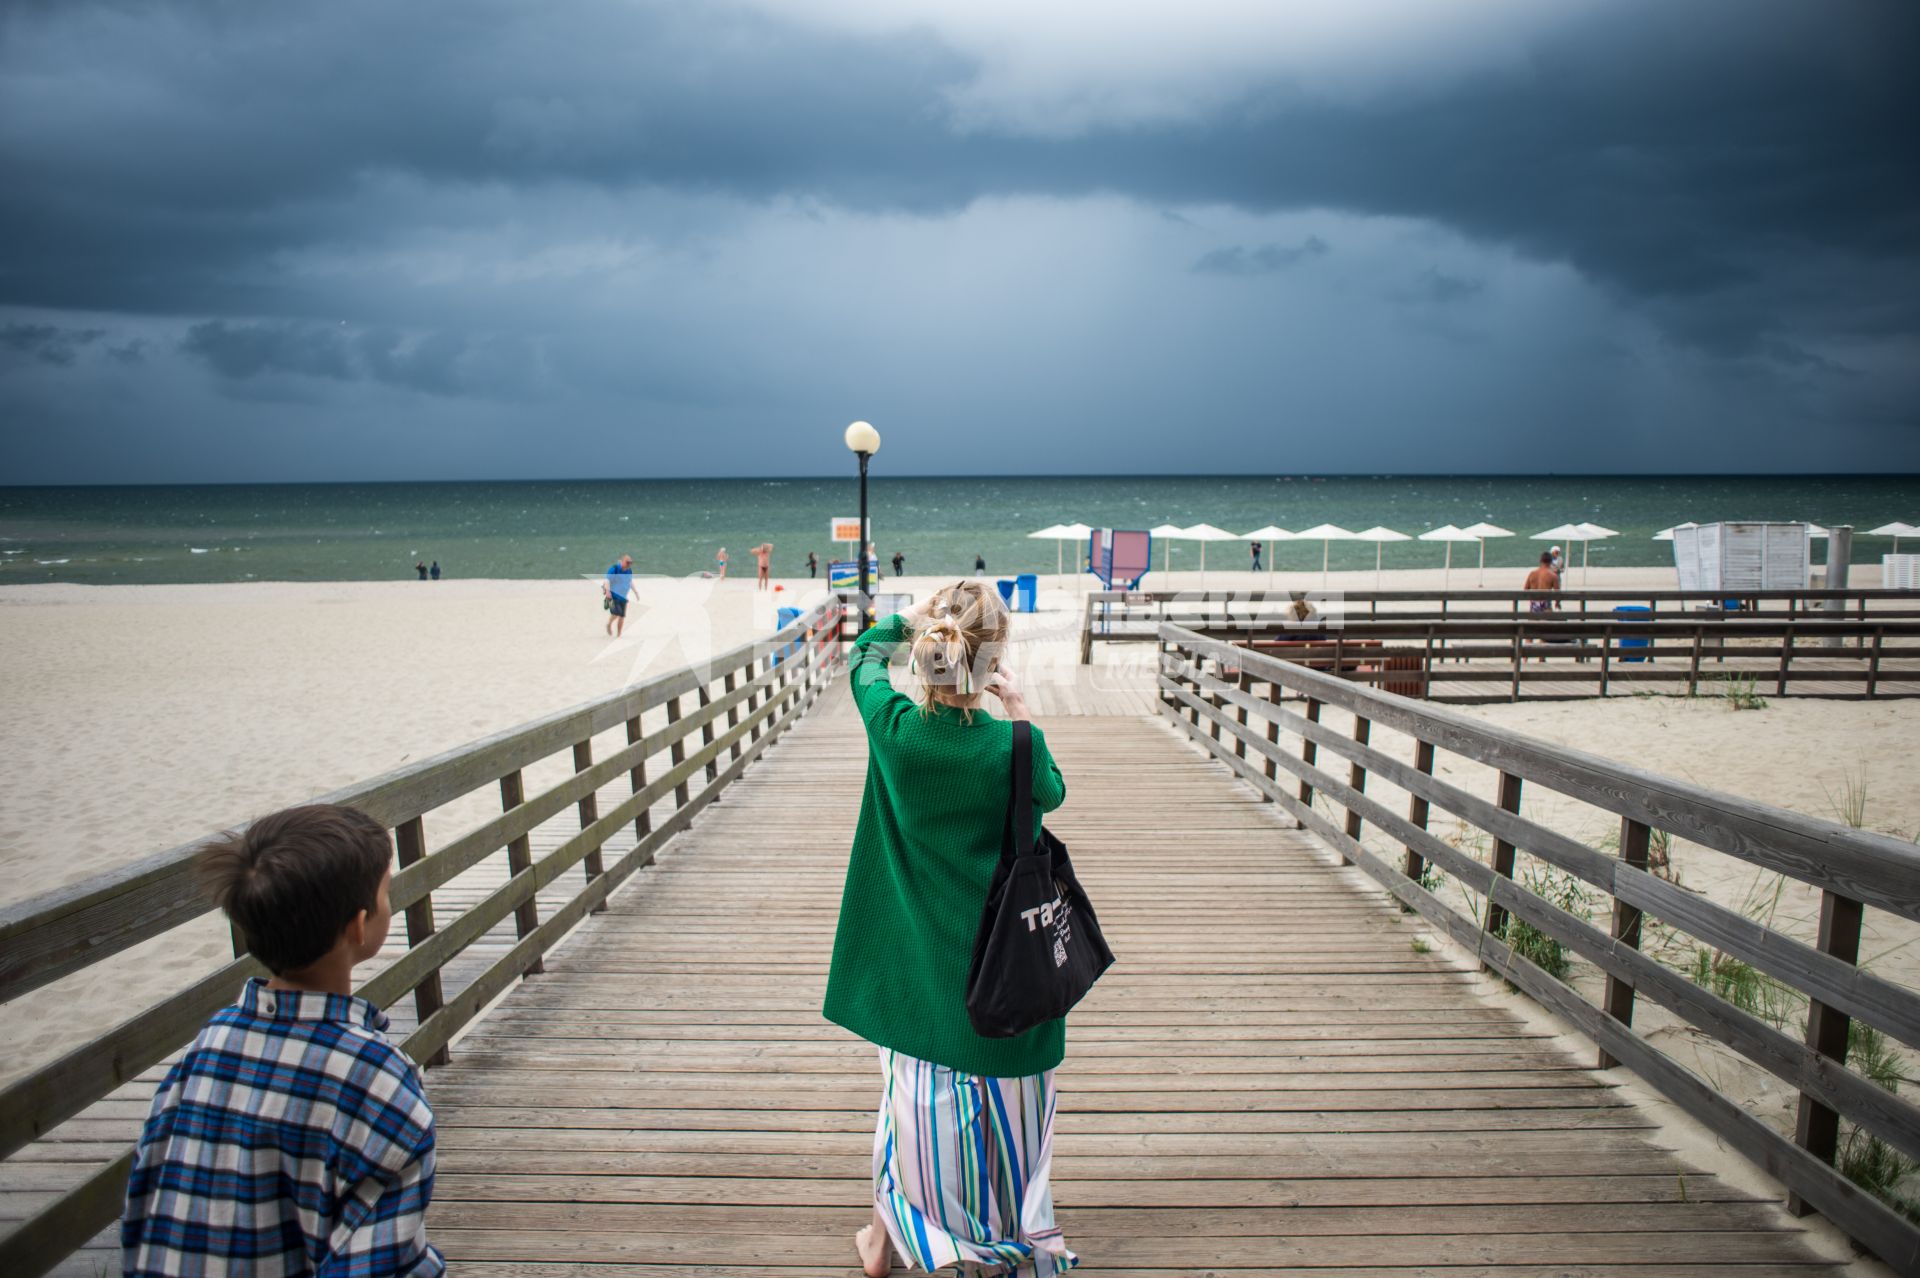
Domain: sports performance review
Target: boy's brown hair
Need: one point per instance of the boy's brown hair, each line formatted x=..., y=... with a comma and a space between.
x=292, y=880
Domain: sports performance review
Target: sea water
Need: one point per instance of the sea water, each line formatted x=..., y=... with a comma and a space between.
x=372, y=532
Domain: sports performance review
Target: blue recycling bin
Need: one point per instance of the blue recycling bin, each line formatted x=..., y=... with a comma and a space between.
x=1027, y=591
x=1633, y=612
x=782, y=618
x=1006, y=590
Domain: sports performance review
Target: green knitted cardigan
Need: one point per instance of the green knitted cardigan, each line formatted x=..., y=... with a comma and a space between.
x=923, y=856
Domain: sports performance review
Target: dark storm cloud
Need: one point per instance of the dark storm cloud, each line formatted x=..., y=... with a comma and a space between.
x=1443, y=290
x=1696, y=157
x=1263, y=259
x=48, y=343
x=198, y=194
x=438, y=363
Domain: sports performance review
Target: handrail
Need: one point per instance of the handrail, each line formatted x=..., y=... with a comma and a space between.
x=1854, y=870
x=71, y=928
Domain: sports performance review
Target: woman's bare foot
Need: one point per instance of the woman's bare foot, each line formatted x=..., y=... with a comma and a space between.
x=876, y=1259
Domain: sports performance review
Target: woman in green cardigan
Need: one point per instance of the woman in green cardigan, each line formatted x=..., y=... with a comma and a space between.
x=963, y=1150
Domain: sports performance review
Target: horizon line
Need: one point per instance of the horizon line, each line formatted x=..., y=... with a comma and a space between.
x=1276, y=476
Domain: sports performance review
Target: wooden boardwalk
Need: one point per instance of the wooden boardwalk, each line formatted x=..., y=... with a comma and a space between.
x=1272, y=1079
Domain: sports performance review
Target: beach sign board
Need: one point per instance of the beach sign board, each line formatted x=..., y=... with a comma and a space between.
x=845, y=574
x=846, y=528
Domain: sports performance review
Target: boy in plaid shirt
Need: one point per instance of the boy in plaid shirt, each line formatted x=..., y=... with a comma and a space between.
x=292, y=1138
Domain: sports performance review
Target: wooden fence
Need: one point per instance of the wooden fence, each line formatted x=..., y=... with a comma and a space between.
x=1242, y=722
x=1111, y=616
x=742, y=701
x=1483, y=647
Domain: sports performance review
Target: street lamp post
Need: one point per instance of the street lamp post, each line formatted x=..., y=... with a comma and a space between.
x=864, y=440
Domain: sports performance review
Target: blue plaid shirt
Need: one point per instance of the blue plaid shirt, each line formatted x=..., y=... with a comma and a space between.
x=292, y=1138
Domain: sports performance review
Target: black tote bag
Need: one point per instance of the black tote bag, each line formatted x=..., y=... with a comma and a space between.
x=1038, y=949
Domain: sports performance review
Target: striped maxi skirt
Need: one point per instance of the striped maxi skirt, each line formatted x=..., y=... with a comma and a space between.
x=962, y=1167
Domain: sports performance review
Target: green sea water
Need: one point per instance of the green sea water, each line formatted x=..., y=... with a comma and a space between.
x=374, y=532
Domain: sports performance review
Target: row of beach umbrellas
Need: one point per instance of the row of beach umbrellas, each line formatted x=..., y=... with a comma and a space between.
x=1327, y=534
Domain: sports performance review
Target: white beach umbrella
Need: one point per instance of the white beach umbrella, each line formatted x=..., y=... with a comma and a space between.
x=1326, y=535
x=1582, y=533
x=1379, y=537
x=1896, y=530
x=1271, y=533
x=1449, y=534
x=1481, y=532
x=1204, y=533
x=1168, y=533
x=1059, y=535
x=1666, y=534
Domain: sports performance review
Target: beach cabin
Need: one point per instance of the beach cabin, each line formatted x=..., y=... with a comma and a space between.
x=1744, y=555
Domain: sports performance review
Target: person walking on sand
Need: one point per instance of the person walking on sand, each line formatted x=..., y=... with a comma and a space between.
x=762, y=557
x=615, y=591
x=1255, y=548
x=813, y=564
x=721, y=560
x=899, y=563
x=964, y=1142
x=979, y=563
x=434, y=571
x=420, y=567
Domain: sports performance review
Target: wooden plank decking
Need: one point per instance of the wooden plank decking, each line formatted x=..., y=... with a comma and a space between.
x=1272, y=1079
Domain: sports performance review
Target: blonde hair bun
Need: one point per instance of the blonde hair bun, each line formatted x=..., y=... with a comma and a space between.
x=963, y=621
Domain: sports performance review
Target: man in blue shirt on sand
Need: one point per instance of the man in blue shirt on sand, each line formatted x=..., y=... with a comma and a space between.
x=618, y=584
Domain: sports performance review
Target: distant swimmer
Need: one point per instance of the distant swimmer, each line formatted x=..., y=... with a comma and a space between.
x=762, y=558
x=614, y=593
x=721, y=560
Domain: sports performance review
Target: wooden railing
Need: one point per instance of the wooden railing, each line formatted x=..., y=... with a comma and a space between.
x=1290, y=751
x=1111, y=616
x=1484, y=647
x=741, y=700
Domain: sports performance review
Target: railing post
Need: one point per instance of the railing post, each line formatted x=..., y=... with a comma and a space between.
x=410, y=845
x=1309, y=751
x=1426, y=668
x=1273, y=733
x=1417, y=806
x=1086, y=632
x=589, y=812
x=1517, y=636
x=1357, y=774
x=1503, y=852
x=1635, y=839
x=677, y=749
x=1817, y=1128
x=526, y=915
x=733, y=711
x=705, y=699
x=757, y=700
x=1873, y=661
x=637, y=778
x=1786, y=655
x=1246, y=689
x=1606, y=646
x=1693, y=666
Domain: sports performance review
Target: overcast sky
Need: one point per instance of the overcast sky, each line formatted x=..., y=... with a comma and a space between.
x=493, y=239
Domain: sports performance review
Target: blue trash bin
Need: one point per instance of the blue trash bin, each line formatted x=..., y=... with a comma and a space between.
x=1632, y=612
x=1006, y=590
x=1027, y=590
x=782, y=618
